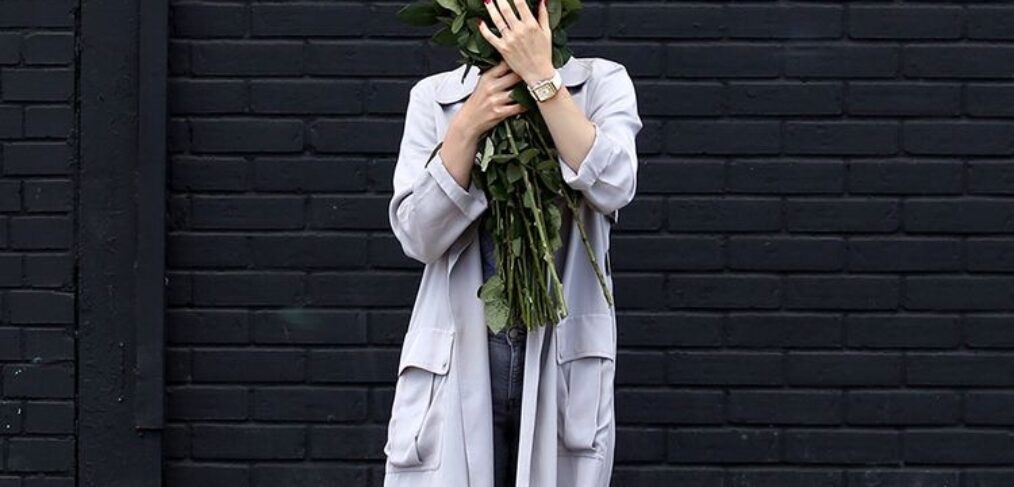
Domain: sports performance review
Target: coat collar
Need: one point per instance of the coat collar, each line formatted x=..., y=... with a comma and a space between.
x=452, y=88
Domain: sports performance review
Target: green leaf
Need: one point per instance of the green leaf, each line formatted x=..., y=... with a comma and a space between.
x=517, y=125
x=476, y=6
x=445, y=37
x=472, y=46
x=499, y=193
x=553, y=221
x=513, y=172
x=487, y=154
x=420, y=13
x=571, y=5
x=451, y=5
x=495, y=307
x=547, y=165
x=528, y=154
x=491, y=289
x=560, y=38
x=480, y=179
x=521, y=95
x=565, y=53
x=549, y=174
x=555, y=11
x=463, y=36
x=459, y=21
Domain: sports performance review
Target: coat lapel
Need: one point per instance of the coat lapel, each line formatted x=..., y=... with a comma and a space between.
x=453, y=88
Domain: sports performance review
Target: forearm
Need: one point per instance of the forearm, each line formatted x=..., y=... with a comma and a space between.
x=571, y=130
x=458, y=151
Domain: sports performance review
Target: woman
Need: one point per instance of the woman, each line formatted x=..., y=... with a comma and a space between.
x=535, y=409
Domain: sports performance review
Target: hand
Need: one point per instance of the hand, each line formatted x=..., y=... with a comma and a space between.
x=526, y=43
x=490, y=102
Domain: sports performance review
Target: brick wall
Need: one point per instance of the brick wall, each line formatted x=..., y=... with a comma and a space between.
x=37, y=280
x=813, y=284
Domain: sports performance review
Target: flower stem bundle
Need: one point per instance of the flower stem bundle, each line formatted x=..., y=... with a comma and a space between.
x=517, y=167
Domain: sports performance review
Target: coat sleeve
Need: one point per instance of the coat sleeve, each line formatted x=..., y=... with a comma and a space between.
x=429, y=209
x=608, y=174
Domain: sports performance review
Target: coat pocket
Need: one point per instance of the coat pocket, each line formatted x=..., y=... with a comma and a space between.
x=415, y=430
x=585, y=347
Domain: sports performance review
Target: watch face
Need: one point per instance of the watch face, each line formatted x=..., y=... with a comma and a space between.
x=545, y=91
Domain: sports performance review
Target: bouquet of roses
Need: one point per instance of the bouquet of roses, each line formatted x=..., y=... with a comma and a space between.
x=517, y=169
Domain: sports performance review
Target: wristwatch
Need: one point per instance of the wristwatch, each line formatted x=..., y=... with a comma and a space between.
x=547, y=88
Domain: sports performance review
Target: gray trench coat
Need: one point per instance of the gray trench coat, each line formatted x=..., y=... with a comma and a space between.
x=440, y=430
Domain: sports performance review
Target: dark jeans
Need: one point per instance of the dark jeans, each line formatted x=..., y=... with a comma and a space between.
x=506, y=372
